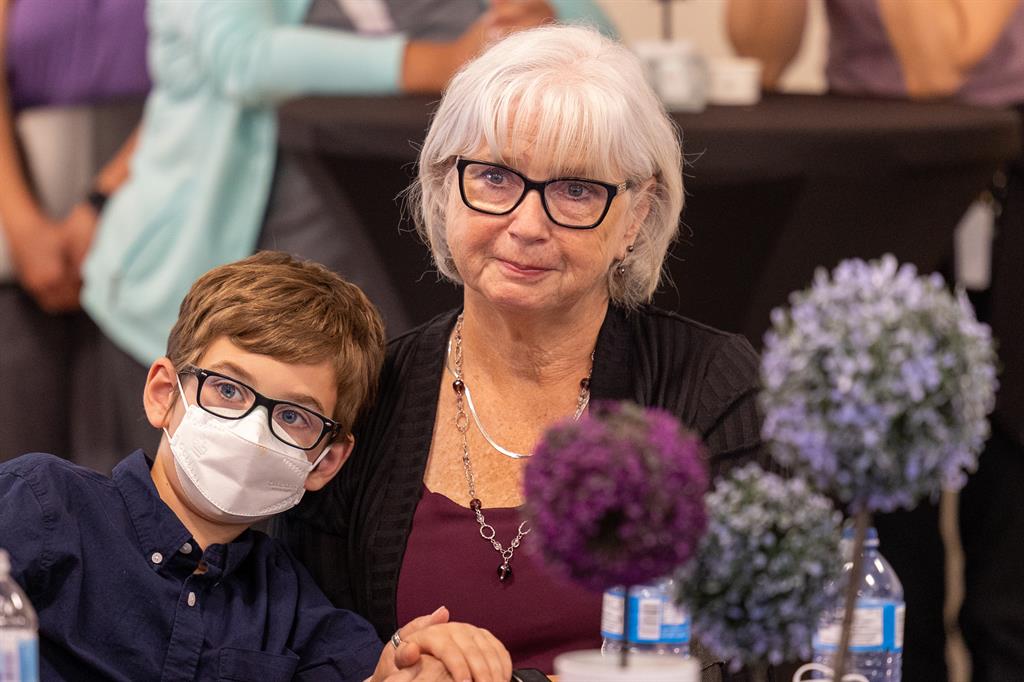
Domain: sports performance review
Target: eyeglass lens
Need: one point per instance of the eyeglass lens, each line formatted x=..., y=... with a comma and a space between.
x=291, y=424
x=494, y=189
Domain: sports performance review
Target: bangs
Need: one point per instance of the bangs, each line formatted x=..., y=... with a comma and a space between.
x=572, y=127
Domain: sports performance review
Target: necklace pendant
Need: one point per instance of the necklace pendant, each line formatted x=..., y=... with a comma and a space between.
x=504, y=573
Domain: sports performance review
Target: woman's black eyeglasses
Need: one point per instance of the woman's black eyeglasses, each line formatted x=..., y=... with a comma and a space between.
x=577, y=203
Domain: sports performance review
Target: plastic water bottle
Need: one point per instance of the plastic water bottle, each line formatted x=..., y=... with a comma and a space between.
x=656, y=624
x=876, y=642
x=19, y=639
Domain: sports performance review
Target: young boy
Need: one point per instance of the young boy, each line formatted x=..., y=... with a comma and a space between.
x=154, y=574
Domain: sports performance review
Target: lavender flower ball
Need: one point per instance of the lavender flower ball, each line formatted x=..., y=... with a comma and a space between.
x=877, y=385
x=765, y=570
x=616, y=497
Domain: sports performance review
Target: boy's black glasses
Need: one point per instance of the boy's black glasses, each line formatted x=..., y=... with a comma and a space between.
x=229, y=398
x=577, y=203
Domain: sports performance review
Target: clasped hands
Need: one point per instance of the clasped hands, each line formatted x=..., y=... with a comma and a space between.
x=435, y=650
x=48, y=255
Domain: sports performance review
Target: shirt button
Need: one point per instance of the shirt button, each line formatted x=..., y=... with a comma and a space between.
x=191, y=598
x=186, y=548
x=156, y=557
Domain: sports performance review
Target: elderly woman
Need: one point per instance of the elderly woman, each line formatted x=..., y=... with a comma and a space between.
x=549, y=188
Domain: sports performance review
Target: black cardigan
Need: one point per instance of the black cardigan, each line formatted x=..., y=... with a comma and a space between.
x=352, y=535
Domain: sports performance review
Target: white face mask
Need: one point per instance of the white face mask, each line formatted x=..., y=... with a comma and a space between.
x=236, y=471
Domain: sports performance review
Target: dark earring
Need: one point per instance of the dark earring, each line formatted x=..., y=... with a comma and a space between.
x=630, y=248
x=621, y=270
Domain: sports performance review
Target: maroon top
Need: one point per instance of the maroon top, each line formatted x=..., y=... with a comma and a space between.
x=535, y=615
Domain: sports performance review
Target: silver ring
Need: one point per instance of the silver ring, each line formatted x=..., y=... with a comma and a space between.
x=396, y=640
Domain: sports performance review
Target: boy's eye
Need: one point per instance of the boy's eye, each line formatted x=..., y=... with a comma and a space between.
x=291, y=417
x=298, y=423
x=224, y=390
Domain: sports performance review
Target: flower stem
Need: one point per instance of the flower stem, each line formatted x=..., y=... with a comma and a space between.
x=861, y=521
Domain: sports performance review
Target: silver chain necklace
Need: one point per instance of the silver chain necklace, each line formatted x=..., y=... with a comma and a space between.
x=487, y=531
x=582, y=400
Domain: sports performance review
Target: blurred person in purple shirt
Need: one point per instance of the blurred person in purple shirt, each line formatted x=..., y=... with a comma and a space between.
x=77, y=54
x=89, y=51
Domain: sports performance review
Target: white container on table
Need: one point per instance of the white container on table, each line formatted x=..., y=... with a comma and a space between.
x=592, y=666
x=676, y=71
x=734, y=81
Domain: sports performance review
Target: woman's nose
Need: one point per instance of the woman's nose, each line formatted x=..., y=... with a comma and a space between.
x=529, y=220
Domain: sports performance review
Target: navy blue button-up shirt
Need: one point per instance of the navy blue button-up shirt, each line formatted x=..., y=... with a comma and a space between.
x=123, y=591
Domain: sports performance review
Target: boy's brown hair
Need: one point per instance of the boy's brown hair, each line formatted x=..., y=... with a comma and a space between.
x=292, y=310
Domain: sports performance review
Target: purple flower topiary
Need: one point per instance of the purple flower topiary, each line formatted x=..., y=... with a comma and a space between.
x=617, y=497
x=765, y=570
x=877, y=383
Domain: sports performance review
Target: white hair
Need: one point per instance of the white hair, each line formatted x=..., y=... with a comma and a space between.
x=581, y=100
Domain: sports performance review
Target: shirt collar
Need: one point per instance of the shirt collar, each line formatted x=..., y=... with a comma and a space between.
x=226, y=558
x=157, y=527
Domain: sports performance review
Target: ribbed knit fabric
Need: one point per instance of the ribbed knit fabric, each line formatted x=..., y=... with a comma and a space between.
x=352, y=535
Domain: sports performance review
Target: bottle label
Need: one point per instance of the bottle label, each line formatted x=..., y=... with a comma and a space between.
x=877, y=626
x=898, y=613
x=19, y=655
x=652, y=619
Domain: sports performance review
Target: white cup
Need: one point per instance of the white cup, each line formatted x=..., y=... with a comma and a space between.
x=676, y=71
x=592, y=666
x=798, y=676
x=734, y=81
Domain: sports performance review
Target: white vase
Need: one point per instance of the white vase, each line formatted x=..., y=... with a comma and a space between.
x=592, y=666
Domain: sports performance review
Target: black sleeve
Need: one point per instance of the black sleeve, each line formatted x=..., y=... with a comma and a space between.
x=316, y=533
x=728, y=415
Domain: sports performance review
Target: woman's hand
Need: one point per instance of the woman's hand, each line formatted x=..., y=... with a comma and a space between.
x=426, y=669
x=467, y=652
x=405, y=658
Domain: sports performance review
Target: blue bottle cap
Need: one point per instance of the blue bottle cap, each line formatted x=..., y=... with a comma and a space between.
x=871, y=535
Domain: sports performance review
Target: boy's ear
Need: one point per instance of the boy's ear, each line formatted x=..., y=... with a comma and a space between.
x=330, y=465
x=161, y=393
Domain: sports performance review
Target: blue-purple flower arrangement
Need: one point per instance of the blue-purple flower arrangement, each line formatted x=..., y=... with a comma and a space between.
x=617, y=497
x=877, y=384
x=765, y=570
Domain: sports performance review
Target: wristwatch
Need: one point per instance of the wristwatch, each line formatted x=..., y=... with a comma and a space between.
x=529, y=675
x=97, y=200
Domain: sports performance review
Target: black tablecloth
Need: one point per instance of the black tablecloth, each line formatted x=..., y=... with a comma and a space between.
x=773, y=190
